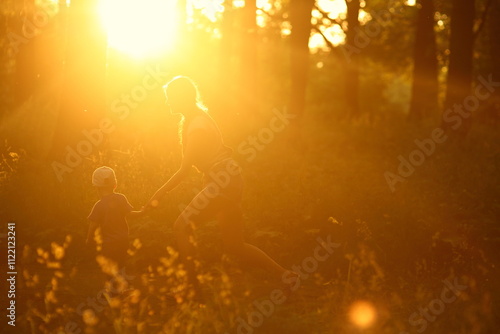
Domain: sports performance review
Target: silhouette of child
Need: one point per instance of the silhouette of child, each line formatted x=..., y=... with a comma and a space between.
x=109, y=216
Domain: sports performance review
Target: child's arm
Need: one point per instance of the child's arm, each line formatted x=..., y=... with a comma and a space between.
x=91, y=232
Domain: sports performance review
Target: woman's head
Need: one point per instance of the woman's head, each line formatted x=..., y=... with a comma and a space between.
x=182, y=95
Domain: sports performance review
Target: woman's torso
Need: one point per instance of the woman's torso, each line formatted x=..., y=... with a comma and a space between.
x=214, y=150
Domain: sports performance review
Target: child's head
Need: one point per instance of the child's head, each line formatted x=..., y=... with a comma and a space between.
x=104, y=178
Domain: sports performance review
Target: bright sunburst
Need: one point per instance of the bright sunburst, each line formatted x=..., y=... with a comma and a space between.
x=139, y=27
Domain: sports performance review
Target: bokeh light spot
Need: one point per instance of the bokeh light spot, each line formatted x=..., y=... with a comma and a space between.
x=362, y=314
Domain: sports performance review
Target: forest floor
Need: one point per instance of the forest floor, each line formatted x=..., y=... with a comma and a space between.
x=417, y=253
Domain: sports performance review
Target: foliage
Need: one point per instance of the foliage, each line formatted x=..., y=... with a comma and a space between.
x=396, y=248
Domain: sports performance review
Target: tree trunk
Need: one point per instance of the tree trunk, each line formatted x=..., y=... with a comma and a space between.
x=300, y=19
x=183, y=39
x=82, y=103
x=425, y=68
x=227, y=41
x=493, y=30
x=248, y=57
x=224, y=89
x=352, y=65
x=459, y=81
x=26, y=62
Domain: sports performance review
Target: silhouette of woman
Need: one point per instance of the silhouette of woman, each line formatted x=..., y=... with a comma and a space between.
x=220, y=198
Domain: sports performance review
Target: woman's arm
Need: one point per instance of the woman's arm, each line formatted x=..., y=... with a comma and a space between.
x=169, y=185
x=195, y=147
x=136, y=213
x=91, y=232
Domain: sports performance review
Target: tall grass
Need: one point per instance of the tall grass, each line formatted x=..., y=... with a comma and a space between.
x=396, y=249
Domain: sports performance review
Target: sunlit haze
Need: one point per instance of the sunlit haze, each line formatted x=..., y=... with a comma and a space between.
x=139, y=27
x=250, y=166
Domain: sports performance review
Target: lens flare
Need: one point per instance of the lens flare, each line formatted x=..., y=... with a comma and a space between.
x=362, y=314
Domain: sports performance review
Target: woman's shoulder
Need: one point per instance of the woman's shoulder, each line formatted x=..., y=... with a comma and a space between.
x=201, y=122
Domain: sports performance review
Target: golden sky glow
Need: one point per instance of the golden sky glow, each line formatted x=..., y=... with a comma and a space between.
x=210, y=8
x=139, y=27
x=143, y=28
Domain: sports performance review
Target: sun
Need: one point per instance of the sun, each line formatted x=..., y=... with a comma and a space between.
x=139, y=28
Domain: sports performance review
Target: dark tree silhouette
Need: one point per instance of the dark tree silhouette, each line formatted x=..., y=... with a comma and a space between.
x=352, y=68
x=493, y=31
x=26, y=55
x=459, y=80
x=424, y=91
x=300, y=19
x=225, y=73
x=83, y=95
x=248, y=56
